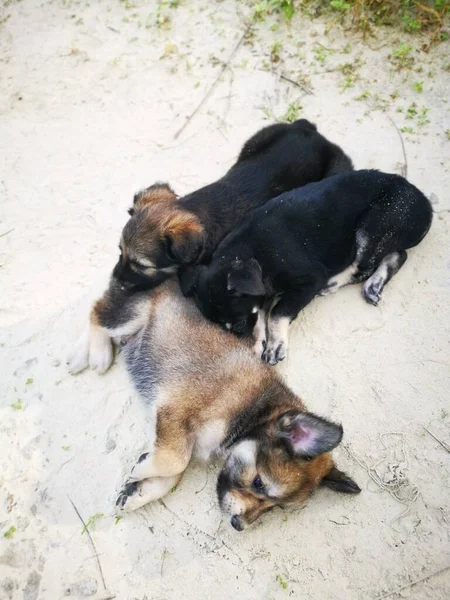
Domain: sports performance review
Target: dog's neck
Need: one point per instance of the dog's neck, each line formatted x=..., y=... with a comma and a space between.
x=273, y=399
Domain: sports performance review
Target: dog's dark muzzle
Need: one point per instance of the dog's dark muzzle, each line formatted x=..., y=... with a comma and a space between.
x=236, y=523
x=133, y=281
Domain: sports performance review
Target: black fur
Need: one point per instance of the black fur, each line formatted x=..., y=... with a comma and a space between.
x=278, y=158
x=302, y=238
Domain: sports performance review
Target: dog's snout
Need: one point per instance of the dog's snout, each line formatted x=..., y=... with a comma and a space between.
x=237, y=523
x=118, y=271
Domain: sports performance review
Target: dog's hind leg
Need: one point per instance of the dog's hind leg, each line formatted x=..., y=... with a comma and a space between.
x=115, y=315
x=173, y=447
x=350, y=274
x=387, y=268
x=138, y=493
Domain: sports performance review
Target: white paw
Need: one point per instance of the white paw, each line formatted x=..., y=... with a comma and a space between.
x=275, y=352
x=100, y=351
x=258, y=347
x=330, y=289
x=372, y=290
x=131, y=498
x=78, y=359
x=143, y=468
x=138, y=493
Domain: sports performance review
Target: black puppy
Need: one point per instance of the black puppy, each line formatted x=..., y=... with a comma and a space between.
x=165, y=232
x=349, y=228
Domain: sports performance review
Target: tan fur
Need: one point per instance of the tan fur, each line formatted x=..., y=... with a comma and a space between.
x=154, y=195
x=205, y=375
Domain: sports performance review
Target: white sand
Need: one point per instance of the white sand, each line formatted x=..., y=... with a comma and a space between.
x=88, y=116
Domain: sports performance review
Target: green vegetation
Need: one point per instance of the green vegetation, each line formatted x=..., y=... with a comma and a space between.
x=275, y=50
x=409, y=15
x=401, y=56
x=91, y=522
x=293, y=112
x=419, y=115
x=269, y=7
x=17, y=405
x=364, y=96
x=281, y=581
x=10, y=533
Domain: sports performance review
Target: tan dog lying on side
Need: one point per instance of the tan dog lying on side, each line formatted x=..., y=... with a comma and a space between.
x=213, y=396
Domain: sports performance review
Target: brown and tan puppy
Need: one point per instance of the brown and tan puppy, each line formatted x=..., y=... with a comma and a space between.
x=165, y=233
x=213, y=396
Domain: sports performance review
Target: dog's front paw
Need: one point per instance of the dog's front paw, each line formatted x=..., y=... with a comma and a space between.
x=372, y=291
x=100, y=350
x=138, y=493
x=274, y=352
x=125, y=500
x=258, y=347
x=330, y=289
x=78, y=359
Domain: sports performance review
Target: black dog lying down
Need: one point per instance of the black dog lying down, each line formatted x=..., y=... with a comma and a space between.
x=349, y=228
x=165, y=232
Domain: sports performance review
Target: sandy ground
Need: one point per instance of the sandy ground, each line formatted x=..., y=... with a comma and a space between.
x=90, y=101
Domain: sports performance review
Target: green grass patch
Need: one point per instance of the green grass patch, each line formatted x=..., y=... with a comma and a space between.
x=10, y=533
x=91, y=522
x=407, y=15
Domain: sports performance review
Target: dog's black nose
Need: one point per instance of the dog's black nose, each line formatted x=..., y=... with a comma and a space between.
x=237, y=523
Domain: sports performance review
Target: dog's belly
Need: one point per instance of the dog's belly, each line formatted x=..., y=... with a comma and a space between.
x=209, y=438
x=142, y=365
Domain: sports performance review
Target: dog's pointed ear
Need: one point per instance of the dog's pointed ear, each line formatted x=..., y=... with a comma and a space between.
x=188, y=277
x=339, y=481
x=245, y=277
x=306, y=435
x=158, y=192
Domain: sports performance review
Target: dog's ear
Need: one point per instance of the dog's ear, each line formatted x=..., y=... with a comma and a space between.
x=184, y=238
x=158, y=192
x=245, y=277
x=188, y=277
x=307, y=435
x=339, y=481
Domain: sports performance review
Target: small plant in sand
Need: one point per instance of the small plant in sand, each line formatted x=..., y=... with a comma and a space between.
x=275, y=52
x=364, y=96
x=321, y=53
x=401, y=56
x=161, y=17
x=269, y=7
x=292, y=112
x=10, y=533
x=91, y=522
x=281, y=581
x=349, y=70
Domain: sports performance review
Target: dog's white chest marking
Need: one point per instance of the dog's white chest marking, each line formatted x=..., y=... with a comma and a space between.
x=209, y=439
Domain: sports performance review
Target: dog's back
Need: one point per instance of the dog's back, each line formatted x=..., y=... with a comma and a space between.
x=178, y=349
x=278, y=158
x=301, y=154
